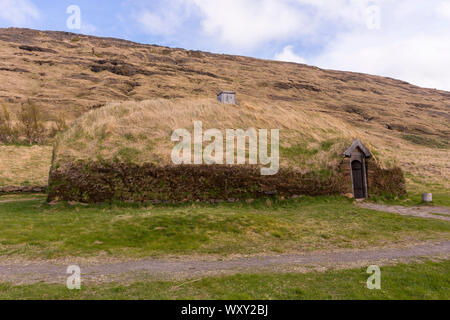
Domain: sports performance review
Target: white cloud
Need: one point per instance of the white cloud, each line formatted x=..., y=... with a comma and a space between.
x=288, y=55
x=412, y=45
x=409, y=40
x=166, y=19
x=19, y=13
x=346, y=12
x=444, y=9
x=157, y=25
x=246, y=24
x=420, y=59
x=249, y=23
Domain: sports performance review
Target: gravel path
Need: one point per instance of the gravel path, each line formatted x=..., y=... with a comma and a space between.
x=32, y=272
x=430, y=212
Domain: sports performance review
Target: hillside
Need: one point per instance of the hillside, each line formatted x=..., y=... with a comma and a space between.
x=140, y=132
x=68, y=74
x=123, y=152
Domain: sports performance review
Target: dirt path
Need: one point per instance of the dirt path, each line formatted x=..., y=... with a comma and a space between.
x=32, y=272
x=430, y=212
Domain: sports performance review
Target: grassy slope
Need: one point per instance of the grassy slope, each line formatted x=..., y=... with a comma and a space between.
x=36, y=230
x=141, y=132
x=23, y=166
x=63, y=82
x=426, y=280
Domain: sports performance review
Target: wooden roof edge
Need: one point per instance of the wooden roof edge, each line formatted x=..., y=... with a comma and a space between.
x=357, y=144
x=224, y=91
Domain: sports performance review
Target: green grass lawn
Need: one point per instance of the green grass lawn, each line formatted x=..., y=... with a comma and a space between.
x=34, y=229
x=428, y=280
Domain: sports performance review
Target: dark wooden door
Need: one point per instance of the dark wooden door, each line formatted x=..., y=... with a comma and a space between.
x=358, y=179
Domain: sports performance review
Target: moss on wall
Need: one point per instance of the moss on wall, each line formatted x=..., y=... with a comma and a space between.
x=94, y=182
x=99, y=182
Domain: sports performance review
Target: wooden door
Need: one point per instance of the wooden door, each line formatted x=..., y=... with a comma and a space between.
x=358, y=180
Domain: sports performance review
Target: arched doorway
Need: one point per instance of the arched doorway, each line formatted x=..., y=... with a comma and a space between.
x=358, y=179
x=358, y=155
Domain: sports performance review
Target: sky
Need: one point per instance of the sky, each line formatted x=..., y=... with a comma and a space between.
x=402, y=39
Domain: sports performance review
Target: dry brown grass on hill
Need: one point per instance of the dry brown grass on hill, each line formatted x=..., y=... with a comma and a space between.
x=24, y=166
x=62, y=73
x=67, y=76
x=123, y=152
x=141, y=132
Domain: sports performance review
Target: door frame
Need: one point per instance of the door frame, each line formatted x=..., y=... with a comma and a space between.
x=358, y=151
x=361, y=159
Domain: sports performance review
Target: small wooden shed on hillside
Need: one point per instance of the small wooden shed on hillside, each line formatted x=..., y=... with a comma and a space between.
x=227, y=97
